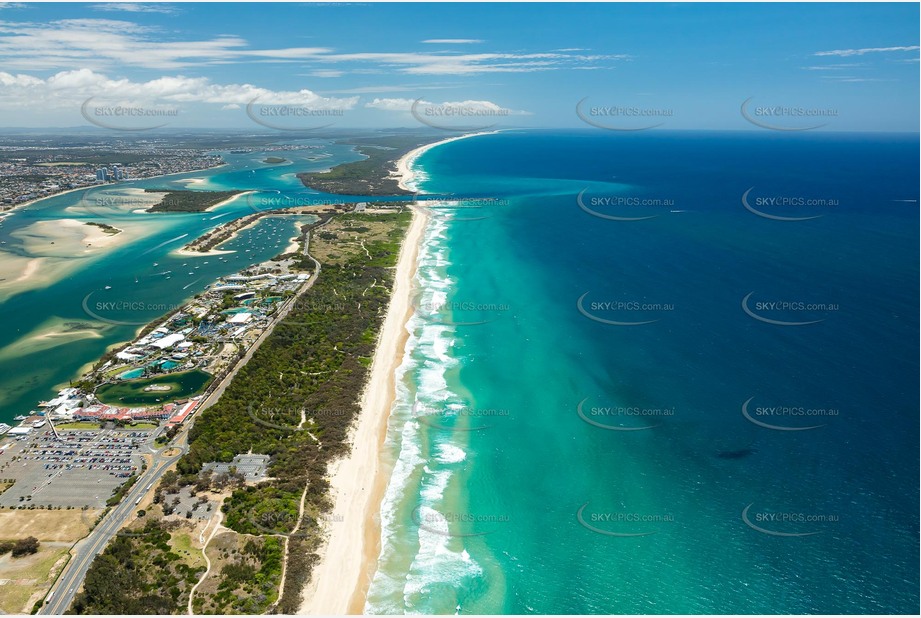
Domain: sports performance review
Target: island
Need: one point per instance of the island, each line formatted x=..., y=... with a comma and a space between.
x=374, y=175
x=105, y=227
x=189, y=201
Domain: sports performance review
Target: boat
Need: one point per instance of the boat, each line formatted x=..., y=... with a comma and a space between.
x=108, y=287
x=20, y=418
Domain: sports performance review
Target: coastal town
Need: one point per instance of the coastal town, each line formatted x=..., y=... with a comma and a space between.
x=31, y=177
x=148, y=388
x=33, y=169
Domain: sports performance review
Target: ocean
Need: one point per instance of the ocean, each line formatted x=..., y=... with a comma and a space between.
x=661, y=372
x=647, y=373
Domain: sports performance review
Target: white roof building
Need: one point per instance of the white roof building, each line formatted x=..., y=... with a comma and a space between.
x=168, y=341
x=240, y=318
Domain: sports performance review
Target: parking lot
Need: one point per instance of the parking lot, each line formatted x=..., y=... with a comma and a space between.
x=81, y=468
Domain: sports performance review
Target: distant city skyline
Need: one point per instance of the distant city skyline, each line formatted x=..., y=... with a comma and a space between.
x=837, y=67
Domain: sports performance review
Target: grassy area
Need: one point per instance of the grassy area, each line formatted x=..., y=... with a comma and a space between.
x=188, y=549
x=131, y=392
x=351, y=237
x=54, y=525
x=26, y=579
x=80, y=425
x=142, y=426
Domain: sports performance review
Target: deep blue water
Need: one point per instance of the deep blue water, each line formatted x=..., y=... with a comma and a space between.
x=830, y=519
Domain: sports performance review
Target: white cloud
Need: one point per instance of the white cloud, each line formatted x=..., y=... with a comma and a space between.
x=470, y=106
x=99, y=44
x=835, y=67
x=326, y=73
x=401, y=88
x=394, y=105
x=844, y=53
x=453, y=41
x=72, y=88
x=134, y=7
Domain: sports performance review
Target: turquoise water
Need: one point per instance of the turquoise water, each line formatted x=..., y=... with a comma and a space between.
x=662, y=497
x=130, y=375
x=145, y=279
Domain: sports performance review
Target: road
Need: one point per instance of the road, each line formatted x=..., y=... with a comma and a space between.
x=65, y=589
x=71, y=578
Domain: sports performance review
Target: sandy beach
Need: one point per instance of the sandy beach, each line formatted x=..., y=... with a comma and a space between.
x=53, y=248
x=227, y=201
x=340, y=581
x=405, y=164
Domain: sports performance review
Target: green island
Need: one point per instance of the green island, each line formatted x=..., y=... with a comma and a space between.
x=370, y=176
x=105, y=227
x=294, y=400
x=274, y=160
x=188, y=201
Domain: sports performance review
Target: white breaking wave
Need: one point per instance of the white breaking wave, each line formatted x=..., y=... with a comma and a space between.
x=419, y=479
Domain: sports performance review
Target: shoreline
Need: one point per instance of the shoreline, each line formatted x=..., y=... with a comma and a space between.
x=16, y=207
x=356, y=485
x=341, y=579
x=405, y=164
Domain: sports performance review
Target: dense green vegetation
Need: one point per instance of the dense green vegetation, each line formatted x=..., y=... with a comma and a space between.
x=274, y=160
x=311, y=362
x=137, y=574
x=105, y=227
x=188, y=201
x=370, y=176
x=20, y=547
x=294, y=400
x=119, y=492
x=249, y=578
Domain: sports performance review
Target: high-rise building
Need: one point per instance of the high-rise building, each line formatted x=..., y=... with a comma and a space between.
x=102, y=174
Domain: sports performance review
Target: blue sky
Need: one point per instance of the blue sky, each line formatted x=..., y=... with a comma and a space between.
x=680, y=66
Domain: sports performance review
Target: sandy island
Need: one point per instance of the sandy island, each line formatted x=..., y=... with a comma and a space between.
x=49, y=249
x=340, y=580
